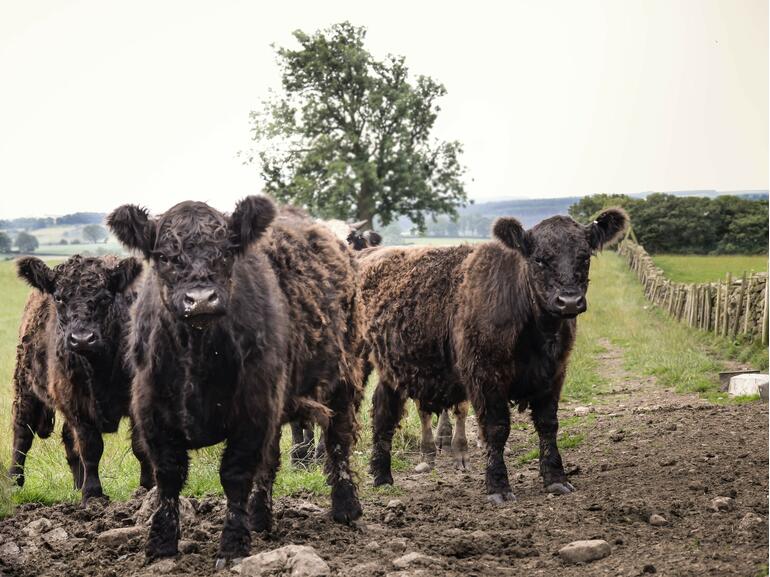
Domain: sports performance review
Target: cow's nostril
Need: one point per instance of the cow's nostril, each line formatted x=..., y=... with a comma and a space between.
x=91, y=338
x=213, y=298
x=189, y=299
x=560, y=302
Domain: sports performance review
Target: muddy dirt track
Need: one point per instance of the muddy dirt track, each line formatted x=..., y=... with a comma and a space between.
x=647, y=451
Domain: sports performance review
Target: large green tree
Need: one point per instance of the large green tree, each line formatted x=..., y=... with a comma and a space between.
x=349, y=136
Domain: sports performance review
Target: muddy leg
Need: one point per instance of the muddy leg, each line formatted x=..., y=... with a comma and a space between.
x=427, y=444
x=73, y=458
x=494, y=418
x=146, y=474
x=302, y=443
x=90, y=446
x=240, y=462
x=551, y=467
x=170, y=462
x=387, y=408
x=261, y=501
x=444, y=431
x=340, y=435
x=459, y=441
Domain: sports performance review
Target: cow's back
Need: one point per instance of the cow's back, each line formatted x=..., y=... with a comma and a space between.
x=317, y=275
x=409, y=299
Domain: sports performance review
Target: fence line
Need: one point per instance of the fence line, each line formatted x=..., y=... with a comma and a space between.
x=729, y=308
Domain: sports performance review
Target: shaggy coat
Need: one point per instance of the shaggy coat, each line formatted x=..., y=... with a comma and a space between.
x=240, y=327
x=493, y=323
x=71, y=358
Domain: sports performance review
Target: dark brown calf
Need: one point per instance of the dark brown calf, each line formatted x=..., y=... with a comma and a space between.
x=71, y=358
x=493, y=323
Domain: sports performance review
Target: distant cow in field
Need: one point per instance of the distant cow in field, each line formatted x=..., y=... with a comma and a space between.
x=71, y=358
x=243, y=322
x=493, y=323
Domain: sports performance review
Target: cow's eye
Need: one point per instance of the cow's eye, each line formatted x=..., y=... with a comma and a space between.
x=162, y=258
x=539, y=262
x=58, y=299
x=176, y=259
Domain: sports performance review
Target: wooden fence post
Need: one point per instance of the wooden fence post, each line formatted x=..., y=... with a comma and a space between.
x=739, y=306
x=764, y=313
x=717, y=307
x=726, y=324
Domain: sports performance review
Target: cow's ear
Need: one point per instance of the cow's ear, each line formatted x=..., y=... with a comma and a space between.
x=36, y=273
x=373, y=238
x=510, y=232
x=249, y=220
x=124, y=274
x=133, y=227
x=607, y=228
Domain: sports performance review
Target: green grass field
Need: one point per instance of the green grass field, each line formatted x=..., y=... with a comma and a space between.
x=704, y=268
x=618, y=313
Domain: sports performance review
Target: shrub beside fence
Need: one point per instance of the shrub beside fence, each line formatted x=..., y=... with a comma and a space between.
x=735, y=306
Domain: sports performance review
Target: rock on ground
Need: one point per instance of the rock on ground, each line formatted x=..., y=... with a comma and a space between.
x=38, y=526
x=116, y=537
x=150, y=504
x=722, y=504
x=585, y=551
x=658, y=520
x=289, y=561
x=414, y=559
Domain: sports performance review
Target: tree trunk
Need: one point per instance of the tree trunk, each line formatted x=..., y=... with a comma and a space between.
x=365, y=204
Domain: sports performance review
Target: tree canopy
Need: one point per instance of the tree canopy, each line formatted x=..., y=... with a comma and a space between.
x=26, y=242
x=664, y=223
x=95, y=233
x=349, y=136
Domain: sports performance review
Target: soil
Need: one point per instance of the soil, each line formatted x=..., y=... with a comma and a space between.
x=646, y=451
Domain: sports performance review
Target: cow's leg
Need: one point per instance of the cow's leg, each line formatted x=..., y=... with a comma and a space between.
x=459, y=440
x=261, y=501
x=73, y=457
x=302, y=443
x=240, y=462
x=320, y=448
x=494, y=416
x=26, y=414
x=170, y=461
x=443, y=431
x=387, y=408
x=340, y=435
x=146, y=474
x=90, y=446
x=427, y=444
x=547, y=424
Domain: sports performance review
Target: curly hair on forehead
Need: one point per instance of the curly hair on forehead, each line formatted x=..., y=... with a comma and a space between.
x=91, y=272
x=189, y=225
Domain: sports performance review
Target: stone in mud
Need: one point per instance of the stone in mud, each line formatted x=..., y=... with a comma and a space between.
x=414, y=559
x=150, y=504
x=396, y=505
x=37, y=527
x=55, y=537
x=396, y=545
x=582, y=411
x=617, y=436
x=114, y=538
x=750, y=523
x=370, y=569
x=585, y=551
x=289, y=561
x=422, y=468
x=722, y=504
x=658, y=520
x=162, y=567
x=11, y=553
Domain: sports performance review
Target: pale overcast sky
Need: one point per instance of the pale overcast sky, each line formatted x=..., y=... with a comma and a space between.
x=103, y=103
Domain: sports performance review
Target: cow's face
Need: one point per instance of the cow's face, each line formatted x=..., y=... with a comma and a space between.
x=84, y=290
x=558, y=253
x=193, y=247
x=360, y=240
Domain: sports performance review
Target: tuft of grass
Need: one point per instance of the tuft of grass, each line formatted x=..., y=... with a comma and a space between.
x=697, y=268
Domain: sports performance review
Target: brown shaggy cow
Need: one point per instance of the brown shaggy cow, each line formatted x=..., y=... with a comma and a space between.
x=493, y=323
x=244, y=322
x=71, y=358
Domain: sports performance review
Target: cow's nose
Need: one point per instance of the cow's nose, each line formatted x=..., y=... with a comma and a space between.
x=201, y=301
x=570, y=304
x=81, y=340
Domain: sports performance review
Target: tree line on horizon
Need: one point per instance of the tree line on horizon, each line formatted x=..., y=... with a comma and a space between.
x=665, y=223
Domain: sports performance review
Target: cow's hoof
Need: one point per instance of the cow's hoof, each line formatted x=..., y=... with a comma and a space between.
x=564, y=488
x=345, y=505
x=94, y=497
x=383, y=479
x=500, y=498
x=155, y=550
x=461, y=461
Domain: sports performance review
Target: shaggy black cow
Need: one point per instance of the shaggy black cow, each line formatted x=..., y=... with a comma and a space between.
x=493, y=323
x=71, y=358
x=232, y=337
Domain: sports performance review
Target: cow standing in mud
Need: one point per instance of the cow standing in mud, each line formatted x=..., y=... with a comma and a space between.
x=244, y=322
x=71, y=358
x=303, y=449
x=493, y=323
